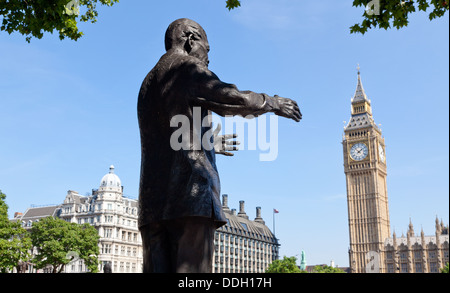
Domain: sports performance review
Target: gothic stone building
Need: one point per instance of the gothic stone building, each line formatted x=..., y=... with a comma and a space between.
x=371, y=248
x=417, y=253
x=365, y=170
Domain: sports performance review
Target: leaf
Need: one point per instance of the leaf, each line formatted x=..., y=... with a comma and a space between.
x=231, y=4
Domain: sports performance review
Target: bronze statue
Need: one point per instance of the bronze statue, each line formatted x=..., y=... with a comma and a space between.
x=179, y=191
x=107, y=269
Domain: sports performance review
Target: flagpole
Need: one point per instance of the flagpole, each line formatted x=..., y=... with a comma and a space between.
x=273, y=210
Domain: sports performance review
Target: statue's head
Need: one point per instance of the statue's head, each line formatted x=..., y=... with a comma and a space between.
x=189, y=36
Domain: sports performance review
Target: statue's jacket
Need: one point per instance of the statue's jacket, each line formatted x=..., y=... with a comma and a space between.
x=184, y=182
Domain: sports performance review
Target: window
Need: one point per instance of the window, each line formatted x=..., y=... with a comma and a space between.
x=403, y=268
x=433, y=267
x=417, y=254
x=418, y=267
x=106, y=249
x=108, y=233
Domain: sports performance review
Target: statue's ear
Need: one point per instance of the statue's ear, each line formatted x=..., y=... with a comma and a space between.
x=189, y=42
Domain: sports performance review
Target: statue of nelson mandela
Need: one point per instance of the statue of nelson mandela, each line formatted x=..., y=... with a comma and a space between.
x=179, y=190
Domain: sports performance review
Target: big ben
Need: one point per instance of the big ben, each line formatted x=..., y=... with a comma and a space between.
x=367, y=199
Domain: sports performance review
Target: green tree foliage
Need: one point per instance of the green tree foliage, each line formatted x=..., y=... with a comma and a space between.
x=59, y=242
x=14, y=241
x=386, y=13
x=286, y=265
x=32, y=18
x=231, y=4
x=445, y=269
x=327, y=270
x=394, y=13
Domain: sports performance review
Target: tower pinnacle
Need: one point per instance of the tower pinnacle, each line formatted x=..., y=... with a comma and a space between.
x=360, y=94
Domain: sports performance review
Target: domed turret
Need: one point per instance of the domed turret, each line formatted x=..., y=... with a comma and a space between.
x=110, y=182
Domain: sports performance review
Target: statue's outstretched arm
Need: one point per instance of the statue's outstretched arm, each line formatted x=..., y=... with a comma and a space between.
x=225, y=99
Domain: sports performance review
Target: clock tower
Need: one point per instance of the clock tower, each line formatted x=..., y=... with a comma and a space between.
x=367, y=200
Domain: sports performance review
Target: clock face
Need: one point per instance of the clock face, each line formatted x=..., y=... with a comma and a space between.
x=381, y=153
x=359, y=151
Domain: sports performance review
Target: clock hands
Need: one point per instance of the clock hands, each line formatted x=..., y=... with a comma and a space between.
x=359, y=151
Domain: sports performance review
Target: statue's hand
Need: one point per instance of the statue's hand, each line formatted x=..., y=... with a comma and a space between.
x=287, y=108
x=222, y=145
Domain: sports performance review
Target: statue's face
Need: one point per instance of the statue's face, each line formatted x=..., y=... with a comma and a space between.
x=200, y=47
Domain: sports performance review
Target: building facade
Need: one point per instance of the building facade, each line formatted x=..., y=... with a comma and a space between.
x=115, y=218
x=417, y=253
x=243, y=245
x=365, y=171
x=113, y=215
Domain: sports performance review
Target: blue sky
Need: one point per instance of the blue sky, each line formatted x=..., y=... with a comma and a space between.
x=68, y=110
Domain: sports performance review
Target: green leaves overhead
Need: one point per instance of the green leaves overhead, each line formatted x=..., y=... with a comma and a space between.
x=231, y=4
x=394, y=13
x=386, y=13
x=33, y=18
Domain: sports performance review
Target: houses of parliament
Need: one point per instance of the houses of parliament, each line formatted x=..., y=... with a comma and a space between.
x=372, y=249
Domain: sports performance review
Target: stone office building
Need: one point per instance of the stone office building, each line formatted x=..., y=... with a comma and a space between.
x=115, y=218
x=113, y=215
x=243, y=245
